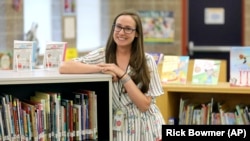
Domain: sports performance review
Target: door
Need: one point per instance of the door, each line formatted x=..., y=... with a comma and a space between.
x=213, y=27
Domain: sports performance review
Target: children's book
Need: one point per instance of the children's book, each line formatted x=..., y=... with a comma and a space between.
x=5, y=60
x=174, y=69
x=240, y=66
x=206, y=71
x=54, y=54
x=22, y=55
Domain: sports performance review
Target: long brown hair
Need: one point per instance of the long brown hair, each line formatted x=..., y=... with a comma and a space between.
x=140, y=71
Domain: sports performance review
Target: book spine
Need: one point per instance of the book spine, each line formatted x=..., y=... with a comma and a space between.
x=33, y=123
x=65, y=104
x=71, y=128
x=6, y=118
x=10, y=114
x=25, y=125
x=29, y=126
x=20, y=118
x=58, y=116
x=15, y=116
x=1, y=123
x=75, y=138
x=63, y=123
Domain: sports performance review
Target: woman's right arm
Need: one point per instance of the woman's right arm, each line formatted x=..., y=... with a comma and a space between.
x=75, y=67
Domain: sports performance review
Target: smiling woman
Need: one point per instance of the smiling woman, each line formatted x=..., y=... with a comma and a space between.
x=136, y=82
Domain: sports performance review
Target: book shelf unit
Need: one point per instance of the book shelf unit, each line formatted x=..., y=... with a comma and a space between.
x=223, y=92
x=24, y=84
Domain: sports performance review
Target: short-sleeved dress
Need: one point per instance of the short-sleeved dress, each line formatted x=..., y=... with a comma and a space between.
x=137, y=126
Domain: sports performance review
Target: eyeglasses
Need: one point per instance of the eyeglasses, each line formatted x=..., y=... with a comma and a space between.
x=127, y=30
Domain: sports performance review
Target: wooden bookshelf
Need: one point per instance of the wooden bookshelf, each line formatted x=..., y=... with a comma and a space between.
x=169, y=102
x=24, y=84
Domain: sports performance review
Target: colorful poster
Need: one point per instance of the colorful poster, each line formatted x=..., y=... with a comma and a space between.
x=158, y=26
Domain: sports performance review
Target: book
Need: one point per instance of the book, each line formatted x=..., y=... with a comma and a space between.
x=66, y=132
x=240, y=66
x=38, y=106
x=17, y=105
x=78, y=124
x=22, y=55
x=206, y=71
x=5, y=60
x=174, y=69
x=1, y=124
x=8, y=100
x=25, y=125
x=54, y=54
x=92, y=127
x=43, y=111
x=5, y=117
x=63, y=123
x=32, y=125
x=81, y=99
x=46, y=97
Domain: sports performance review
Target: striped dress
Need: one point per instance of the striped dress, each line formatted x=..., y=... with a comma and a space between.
x=137, y=126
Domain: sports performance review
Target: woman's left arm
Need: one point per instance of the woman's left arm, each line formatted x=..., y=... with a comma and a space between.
x=137, y=97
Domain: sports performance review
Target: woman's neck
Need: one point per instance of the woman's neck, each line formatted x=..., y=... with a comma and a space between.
x=122, y=58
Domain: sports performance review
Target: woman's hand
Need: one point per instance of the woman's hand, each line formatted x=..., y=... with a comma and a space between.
x=114, y=77
x=112, y=69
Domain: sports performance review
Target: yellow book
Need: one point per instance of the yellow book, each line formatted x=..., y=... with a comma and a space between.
x=174, y=69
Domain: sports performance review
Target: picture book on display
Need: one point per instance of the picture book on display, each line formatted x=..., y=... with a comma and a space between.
x=206, y=71
x=5, y=60
x=22, y=55
x=54, y=54
x=240, y=66
x=174, y=69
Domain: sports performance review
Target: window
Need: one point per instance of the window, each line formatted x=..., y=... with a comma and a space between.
x=46, y=12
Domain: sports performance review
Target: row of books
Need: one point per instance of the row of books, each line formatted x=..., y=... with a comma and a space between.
x=46, y=116
x=205, y=71
x=24, y=55
x=175, y=69
x=212, y=113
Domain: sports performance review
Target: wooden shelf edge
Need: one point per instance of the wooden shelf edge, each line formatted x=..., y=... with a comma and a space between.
x=223, y=87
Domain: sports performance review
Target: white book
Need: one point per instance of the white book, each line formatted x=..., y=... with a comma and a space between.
x=54, y=54
x=22, y=55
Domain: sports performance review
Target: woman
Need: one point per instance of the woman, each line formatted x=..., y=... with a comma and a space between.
x=136, y=82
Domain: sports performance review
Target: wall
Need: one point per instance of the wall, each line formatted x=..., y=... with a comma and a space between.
x=11, y=21
x=247, y=23
x=11, y=24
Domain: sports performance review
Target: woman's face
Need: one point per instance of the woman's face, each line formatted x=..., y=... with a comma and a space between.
x=124, y=31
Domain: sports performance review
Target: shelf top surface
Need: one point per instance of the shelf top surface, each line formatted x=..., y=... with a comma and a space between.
x=222, y=87
x=47, y=76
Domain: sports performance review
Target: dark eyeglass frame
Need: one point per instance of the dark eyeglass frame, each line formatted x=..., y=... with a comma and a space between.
x=127, y=30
